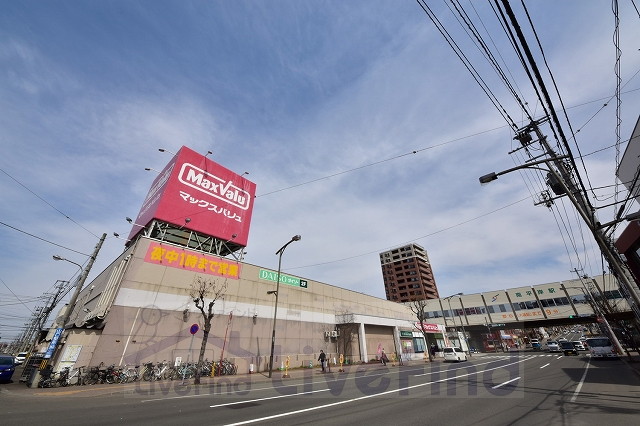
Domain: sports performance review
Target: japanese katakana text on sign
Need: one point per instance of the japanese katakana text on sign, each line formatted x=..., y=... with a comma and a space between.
x=185, y=259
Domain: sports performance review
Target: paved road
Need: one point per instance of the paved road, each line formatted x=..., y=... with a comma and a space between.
x=519, y=388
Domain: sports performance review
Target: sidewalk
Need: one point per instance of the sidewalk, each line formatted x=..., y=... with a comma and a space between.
x=207, y=384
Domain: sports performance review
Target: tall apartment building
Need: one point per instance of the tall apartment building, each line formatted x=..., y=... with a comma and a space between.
x=407, y=274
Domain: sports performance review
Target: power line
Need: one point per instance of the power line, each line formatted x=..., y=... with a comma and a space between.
x=42, y=239
x=415, y=239
x=47, y=203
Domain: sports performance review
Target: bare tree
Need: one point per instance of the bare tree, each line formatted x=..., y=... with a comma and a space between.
x=348, y=330
x=418, y=307
x=203, y=289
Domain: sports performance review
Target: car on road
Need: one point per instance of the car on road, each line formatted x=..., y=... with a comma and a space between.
x=454, y=354
x=21, y=357
x=562, y=339
x=535, y=344
x=601, y=347
x=579, y=345
x=567, y=348
x=553, y=346
x=7, y=367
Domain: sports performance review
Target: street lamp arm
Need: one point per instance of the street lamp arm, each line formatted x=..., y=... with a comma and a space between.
x=56, y=257
x=493, y=175
x=294, y=238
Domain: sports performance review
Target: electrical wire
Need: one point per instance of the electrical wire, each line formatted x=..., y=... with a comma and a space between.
x=47, y=203
x=474, y=73
x=414, y=239
x=42, y=239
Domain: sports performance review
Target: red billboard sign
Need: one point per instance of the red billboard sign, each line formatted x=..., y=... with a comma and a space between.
x=199, y=194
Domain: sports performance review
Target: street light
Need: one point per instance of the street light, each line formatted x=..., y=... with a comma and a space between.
x=464, y=333
x=277, y=292
x=490, y=177
x=56, y=257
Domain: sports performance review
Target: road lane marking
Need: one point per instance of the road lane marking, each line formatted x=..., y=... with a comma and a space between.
x=324, y=381
x=546, y=365
x=267, y=398
x=577, y=391
x=333, y=404
x=505, y=383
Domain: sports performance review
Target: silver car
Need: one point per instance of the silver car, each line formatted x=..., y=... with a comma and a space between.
x=553, y=346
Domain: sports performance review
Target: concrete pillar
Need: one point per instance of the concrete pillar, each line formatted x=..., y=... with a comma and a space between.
x=363, y=343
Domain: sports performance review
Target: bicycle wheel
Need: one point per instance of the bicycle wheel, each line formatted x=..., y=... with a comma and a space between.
x=169, y=373
x=147, y=375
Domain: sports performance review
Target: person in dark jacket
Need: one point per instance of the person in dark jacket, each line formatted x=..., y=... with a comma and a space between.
x=322, y=358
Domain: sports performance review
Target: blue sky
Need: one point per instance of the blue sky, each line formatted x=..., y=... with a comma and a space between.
x=338, y=94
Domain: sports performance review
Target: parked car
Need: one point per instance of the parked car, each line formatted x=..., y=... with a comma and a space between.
x=553, y=346
x=21, y=357
x=601, y=347
x=7, y=367
x=567, y=348
x=454, y=354
x=578, y=345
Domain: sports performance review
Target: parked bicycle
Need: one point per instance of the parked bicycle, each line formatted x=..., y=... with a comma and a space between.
x=130, y=374
x=48, y=377
x=158, y=372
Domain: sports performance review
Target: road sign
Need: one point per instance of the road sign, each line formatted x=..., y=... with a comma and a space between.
x=194, y=329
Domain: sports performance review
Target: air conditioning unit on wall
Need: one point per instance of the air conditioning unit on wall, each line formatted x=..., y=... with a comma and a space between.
x=327, y=334
x=334, y=333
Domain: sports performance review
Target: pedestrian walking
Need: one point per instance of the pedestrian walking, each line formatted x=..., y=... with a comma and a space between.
x=383, y=357
x=433, y=350
x=322, y=358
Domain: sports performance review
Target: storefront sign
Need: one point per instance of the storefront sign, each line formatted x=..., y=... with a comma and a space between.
x=268, y=275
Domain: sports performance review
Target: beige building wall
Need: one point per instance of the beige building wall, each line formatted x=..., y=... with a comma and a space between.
x=151, y=314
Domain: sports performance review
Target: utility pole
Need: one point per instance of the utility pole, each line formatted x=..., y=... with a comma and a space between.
x=74, y=297
x=62, y=289
x=560, y=179
x=561, y=174
x=81, y=279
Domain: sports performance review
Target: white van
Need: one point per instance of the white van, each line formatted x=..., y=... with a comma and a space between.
x=454, y=354
x=601, y=347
